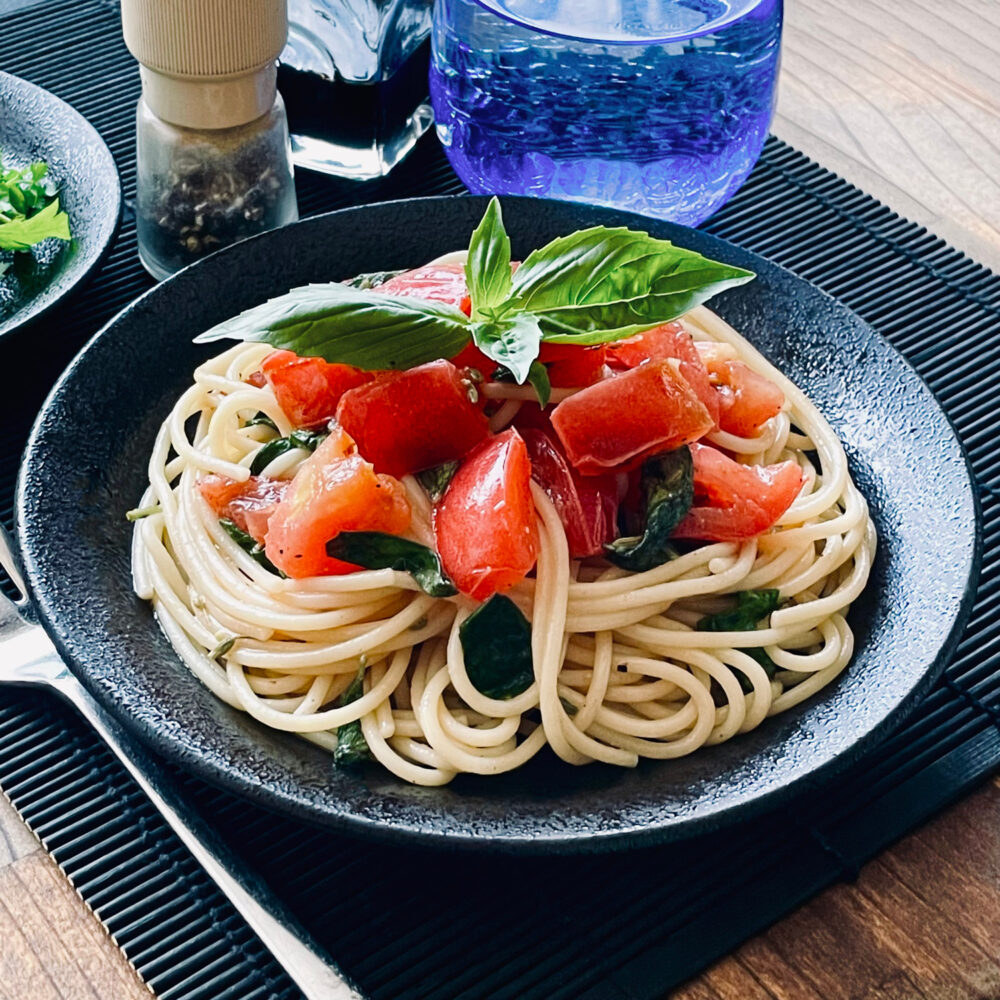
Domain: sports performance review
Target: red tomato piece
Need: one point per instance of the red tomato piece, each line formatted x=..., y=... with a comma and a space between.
x=621, y=420
x=571, y=365
x=733, y=501
x=308, y=389
x=415, y=419
x=747, y=400
x=670, y=340
x=471, y=357
x=435, y=282
x=334, y=490
x=587, y=506
x=485, y=524
x=248, y=505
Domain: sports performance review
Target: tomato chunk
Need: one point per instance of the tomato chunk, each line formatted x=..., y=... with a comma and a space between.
x=747, y=400
x=733, y=501
x=587, y=506
x=334, y=490
x=471, y=357
x=436, y=282
x=308, y=389
x=248, y=505
x=571, y=366
x=412, y=420
x=485, y=524
x=620, y=420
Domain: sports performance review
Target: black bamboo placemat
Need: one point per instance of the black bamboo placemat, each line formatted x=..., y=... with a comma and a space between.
x=408, y=924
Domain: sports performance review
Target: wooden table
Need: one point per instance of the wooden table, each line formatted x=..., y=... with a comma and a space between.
x=903, y=99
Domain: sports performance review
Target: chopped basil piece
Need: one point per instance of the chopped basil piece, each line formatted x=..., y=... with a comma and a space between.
x=249, y=545
x=352, y=747
x=378, y=550
x=307, y=440
x=496, y=642
x=435, y=481
x=752, y=606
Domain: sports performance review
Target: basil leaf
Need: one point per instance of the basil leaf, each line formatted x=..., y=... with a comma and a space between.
x=603, y=284
x=435, y=481
x=538, y=376
x=249, y=545
x=352, y=747
x=496, y=641
x=262, y=419
x=351, y=326
x=667, y=488
x=751, y=607
x=377, y=550
x=511, y=341
x=372, y=279
x=307, y=440
x=487, y=268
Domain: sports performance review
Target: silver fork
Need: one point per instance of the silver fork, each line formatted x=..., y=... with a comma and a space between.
x=28, y=658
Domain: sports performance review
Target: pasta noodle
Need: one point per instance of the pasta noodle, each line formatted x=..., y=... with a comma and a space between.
x=621, y=671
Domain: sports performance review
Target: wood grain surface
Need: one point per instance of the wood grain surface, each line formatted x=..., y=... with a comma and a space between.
x=901, y=97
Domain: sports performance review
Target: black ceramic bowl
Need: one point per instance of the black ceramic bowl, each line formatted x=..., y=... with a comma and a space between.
x=36, y=125
x=86, y=462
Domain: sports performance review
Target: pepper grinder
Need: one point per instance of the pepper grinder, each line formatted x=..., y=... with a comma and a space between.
x=212, y=150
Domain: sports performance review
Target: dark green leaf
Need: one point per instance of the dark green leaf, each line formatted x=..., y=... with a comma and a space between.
x=371, y=279
x=435, y=481
x=307, y=440
x=352, y=747
x=377, y=550
x=261, y=418
x=752, y=606
x=487, y=268
x=496, y=642
x=351, y=326
x=511, y=341
x=602, y=284
x=249, y=545
x=538, y=376
x=667, y=488
x=24, y=233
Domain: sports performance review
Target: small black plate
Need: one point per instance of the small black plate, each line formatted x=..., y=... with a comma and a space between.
x=36, y=125
x=86, y=463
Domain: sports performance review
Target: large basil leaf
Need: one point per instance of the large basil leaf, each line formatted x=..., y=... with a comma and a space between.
x=487, y=268
x=511, y=341
x=602, y=284
x=496, y=643
x=351, y=326
x=667, y=488
x=378, y=550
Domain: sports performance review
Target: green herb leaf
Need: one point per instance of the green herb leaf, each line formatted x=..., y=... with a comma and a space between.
x=260, y=418
x=249, y=545
x=511, y=341
x=667, y=487
x=352, y=747
x=377, y=550
x=752, y=606
x=23, y=233
x=487, y=268
x=371, y=279
x=538, y=376
x=307, y=440
x=435, y=481
x=351, y=326
x=601, y=284
x=496, y=642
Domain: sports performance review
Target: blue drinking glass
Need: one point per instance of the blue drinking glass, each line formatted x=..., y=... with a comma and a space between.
x=657, y=106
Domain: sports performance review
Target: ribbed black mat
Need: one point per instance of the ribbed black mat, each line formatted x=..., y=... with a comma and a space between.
x=416, y=925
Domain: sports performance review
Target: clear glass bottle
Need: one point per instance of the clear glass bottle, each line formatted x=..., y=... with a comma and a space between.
x=212, y=148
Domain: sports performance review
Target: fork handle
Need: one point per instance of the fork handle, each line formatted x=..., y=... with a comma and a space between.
x=28, y=657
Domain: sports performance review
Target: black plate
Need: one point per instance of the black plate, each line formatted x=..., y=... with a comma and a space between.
x=36, y=125
x=86, y=461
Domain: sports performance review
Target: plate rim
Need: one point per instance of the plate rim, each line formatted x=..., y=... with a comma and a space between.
x=601, y=841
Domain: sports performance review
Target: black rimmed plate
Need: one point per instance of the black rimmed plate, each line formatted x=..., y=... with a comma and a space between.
x=36, y=125
x=86, y=463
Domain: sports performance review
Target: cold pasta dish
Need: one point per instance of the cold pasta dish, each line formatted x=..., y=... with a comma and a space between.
x=447, y=517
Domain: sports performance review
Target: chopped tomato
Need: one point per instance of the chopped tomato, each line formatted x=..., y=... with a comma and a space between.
x=670, y=340
x=571, y=365
x=415, y=419
x=248, y=505
x=308, y=389
x=587, y=506
x=436, y=282
x=621, y=420
x=747, y=400
x=485, y=523
x=471, y=357
x=334, y=490
x=733, y=501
